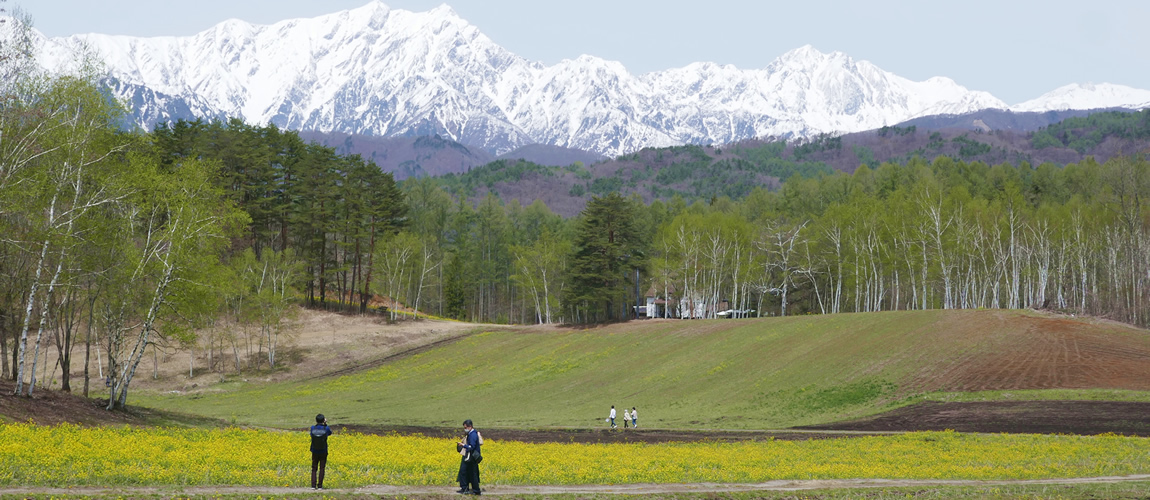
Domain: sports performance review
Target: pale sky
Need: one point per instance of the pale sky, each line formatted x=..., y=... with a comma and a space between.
x=1016, y=50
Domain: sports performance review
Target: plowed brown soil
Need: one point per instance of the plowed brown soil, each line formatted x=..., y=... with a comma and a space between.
x=607, y=436
x=1031, y=417
x=1055, y=352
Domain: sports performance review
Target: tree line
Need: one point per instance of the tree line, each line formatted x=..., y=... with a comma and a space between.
x=919, y=235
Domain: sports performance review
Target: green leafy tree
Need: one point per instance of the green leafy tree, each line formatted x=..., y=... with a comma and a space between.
x=455, y=295
x=607, y=251
x=181, y=223
x=540, y=270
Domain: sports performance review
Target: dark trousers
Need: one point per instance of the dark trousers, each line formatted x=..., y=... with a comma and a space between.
x=318, y=463
x=468, y=475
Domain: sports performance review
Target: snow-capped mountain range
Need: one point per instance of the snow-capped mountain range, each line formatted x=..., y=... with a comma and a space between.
x=386, y=72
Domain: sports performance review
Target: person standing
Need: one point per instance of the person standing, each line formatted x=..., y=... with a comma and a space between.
x=611, y=417
x=634, y=418
x=319, y=433
x=469, y=464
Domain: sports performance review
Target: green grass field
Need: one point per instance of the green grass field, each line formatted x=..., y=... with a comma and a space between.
x=714, y=374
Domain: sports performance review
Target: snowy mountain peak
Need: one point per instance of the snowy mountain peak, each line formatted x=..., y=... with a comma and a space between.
x=375, y=12
x=370, y=14
x=810, y=58
x=1087, y=96
x=443, y=10
x=389, y=72
x=941, y=81
x=234, y=26
x=805, y=53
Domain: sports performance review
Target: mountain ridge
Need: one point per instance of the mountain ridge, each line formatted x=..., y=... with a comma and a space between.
x=388, y=72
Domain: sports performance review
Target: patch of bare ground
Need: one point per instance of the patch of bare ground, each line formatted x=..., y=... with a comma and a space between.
x=1029, y=417
x=49, y=407
x=1055, y=352
x=575, y=435
x=320, y=343
x=323, y=343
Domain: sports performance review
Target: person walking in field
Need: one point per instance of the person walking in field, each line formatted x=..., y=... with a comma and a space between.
x=626, y=418
x=319, y=433
x=634, y=418
x=469, y=448
x=611, y=417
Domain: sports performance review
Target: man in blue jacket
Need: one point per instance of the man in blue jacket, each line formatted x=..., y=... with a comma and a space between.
x=469, y=467
x=319, y=433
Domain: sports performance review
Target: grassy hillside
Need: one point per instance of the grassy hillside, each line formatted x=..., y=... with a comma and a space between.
x=755, y=373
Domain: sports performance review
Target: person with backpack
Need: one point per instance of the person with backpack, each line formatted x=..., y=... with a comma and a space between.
x=319, y=433
x=469, y=448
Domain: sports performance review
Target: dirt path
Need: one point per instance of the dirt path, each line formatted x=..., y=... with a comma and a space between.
x=417, y=349
x=592, y=489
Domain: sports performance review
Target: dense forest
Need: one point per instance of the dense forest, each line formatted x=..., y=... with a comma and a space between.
x=209, y=235
x=943, y=234
x=940, y=234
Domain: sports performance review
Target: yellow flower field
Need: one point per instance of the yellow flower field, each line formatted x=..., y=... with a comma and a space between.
x=68, y=455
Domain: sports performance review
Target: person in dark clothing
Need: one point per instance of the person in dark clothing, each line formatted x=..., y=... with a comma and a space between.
x=319, y=433
x=469, y=464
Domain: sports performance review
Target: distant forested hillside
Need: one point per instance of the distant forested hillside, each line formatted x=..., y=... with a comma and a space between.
x=697, y=172
x=1087, y=134
x=999, y=119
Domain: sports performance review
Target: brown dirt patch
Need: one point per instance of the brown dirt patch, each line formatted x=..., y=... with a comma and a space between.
x=325, y=342
x=1031, y=417
x=55, y=407
x=608, y=436
x=48, y=407
x=1053, y=351
x=321, y=343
